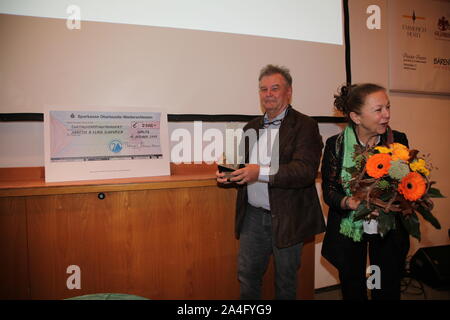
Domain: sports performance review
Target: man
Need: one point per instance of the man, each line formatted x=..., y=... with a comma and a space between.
x=277, y=206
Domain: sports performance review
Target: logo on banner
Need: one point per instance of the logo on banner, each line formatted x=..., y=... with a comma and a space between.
x=442, y=63
x=443, y=24
x=115, y=146
x=414, y=29
x=443, y=29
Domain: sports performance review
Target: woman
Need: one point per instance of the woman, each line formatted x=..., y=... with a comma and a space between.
x=367, y=108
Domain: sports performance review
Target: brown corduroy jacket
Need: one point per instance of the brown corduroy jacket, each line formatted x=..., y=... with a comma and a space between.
x=294, y=203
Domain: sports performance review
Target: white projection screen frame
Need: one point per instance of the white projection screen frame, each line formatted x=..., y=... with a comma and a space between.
x=122, y=56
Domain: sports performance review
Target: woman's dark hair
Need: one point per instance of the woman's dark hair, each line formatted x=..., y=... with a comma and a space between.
x=351, y=97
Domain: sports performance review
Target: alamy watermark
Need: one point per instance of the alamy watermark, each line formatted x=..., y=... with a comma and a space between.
x=74, y=19
x=210, y=145
x=374, y=280
x=74, y=280
x=373, y=22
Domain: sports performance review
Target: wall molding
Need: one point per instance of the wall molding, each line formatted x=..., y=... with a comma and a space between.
x=39, y=117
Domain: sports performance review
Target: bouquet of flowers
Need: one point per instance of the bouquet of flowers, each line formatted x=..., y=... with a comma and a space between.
x=392, y=181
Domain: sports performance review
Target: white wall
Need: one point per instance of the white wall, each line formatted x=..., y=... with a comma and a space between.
x=22, y=143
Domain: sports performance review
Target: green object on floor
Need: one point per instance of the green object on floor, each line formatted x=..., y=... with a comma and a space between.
x=108, y=296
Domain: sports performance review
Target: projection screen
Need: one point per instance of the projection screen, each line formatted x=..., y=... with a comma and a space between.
x=185, y=56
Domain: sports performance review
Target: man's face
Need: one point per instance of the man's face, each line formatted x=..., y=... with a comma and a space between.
x=274, y=94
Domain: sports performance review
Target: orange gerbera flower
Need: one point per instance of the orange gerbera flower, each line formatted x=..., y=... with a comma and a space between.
x=378, y=165
x=399, y=152
x=412, y=186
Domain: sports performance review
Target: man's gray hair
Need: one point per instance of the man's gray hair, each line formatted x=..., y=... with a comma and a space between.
x=271, y=69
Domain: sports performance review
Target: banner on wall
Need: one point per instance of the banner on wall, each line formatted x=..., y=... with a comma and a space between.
x=419, y=46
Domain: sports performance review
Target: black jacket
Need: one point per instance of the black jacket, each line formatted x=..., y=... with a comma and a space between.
x=294, y=203
x=333, y=193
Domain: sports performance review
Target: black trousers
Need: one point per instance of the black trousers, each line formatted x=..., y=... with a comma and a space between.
x=388, y=254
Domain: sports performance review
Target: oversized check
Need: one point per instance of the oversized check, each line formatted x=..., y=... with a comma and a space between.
x=95, y=135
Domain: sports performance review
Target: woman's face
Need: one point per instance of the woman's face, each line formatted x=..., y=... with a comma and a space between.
x=373, y=118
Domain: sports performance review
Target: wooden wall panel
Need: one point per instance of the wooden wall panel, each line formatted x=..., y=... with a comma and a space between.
x=14, y=282
x=173, y=243
x=161, y=244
